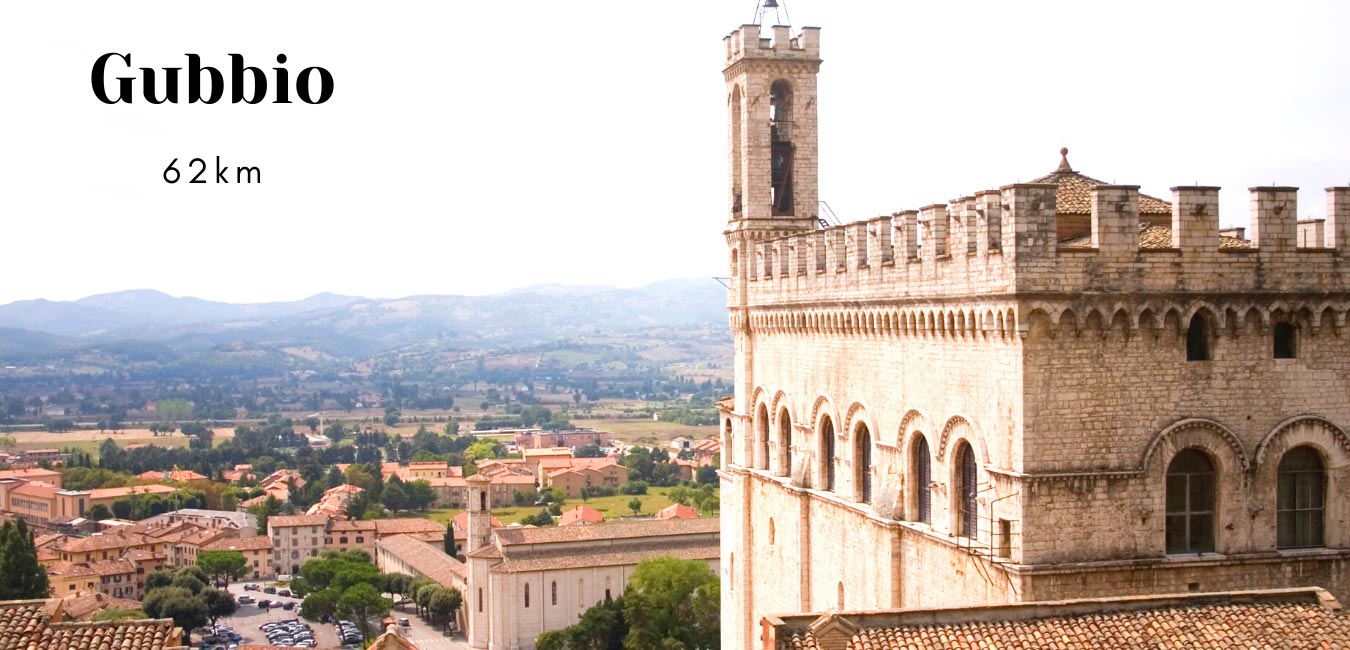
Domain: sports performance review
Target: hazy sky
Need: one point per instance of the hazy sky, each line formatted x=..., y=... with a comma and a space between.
x=473, y=147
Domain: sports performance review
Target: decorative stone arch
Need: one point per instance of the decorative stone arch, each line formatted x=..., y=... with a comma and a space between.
x=823, y=405
x=957, y=428
x=1217, y=439
x=780, y=399
x=1215, y=316
x=1040, y=323
x=780, y=436
x=1146, y=317
x=852, y=418
x=1333, y=437
x=1095, y=321
x=913, y=420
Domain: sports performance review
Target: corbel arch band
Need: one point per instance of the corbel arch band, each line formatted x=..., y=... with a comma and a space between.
x=1215, y=430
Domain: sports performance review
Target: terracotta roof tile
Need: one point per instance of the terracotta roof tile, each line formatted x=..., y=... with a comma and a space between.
x=424, y=559
x=612, y=531
x=257, y=542
x=1223, y=622
x=399, y=526
x=1154, y=237
x=1074, y=194
x=607, y=555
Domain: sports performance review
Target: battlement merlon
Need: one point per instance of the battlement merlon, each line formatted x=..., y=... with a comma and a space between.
x=745, y=43
x=1004, y=242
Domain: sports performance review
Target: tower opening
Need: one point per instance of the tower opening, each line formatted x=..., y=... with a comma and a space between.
x=782, y=149
x=737, y=116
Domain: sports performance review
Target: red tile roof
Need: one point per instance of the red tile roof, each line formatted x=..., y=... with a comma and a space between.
x=1290, y=618
x=580, y=515
x=677, y=511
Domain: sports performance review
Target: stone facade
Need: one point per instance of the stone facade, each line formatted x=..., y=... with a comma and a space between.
x=1050, y=386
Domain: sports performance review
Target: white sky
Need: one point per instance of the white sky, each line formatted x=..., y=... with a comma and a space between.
x=473, y=147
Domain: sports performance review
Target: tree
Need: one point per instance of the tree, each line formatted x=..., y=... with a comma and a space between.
x=319, y=604
x=100, y=512
x=218, y=602
x=270, y=507
x=121, y=509
x=362, y=601
x=223, y=566
x=444, y=601
x=450, y=548
x=157, y=579
x=187, y=610
x=672, y=603
x=189, y=582
x=707, y=475
x=21, y=575
x=601, y=627
x=635, y=505
x=394, y=496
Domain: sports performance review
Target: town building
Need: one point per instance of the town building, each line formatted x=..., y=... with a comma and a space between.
x=408, y=555
x=571, y=438
x=580, y=516
x=523, y=581
x=257, y=551
x=295, y=539
x=1055, y=390
x=677, y=511
x=243, y=524
x=174, y=475
x=573, y=475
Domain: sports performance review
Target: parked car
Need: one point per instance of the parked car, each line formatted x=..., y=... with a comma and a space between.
x=245, y=599
x=264, y=603
x=276, y=603
x=288, y=605
x=269, y=589
x=252, y=587
x=284, y=592
x=404, y=622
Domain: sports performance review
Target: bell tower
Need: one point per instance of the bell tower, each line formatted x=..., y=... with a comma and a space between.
x=771, y=104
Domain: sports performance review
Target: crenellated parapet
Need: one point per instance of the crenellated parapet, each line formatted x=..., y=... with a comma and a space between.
x=746, y=43
x=1002, y=243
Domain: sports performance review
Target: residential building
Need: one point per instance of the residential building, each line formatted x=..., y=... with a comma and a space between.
x=295, y=538
x=580, y=516
x=676, y=511
x=243, y=524
x=408, y=555
x=572, y=438
x=257, y=552
x=582, y=473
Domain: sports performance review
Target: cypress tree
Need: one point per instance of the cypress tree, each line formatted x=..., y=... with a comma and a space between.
x=450, y=540
x=21, y=576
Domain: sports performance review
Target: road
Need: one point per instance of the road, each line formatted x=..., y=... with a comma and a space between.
x=425, y=636
x=249, y=617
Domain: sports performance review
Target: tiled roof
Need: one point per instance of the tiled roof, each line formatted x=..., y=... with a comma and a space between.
x=581, y=515
x=20, y=619
x=1293, y=618
x=607, y=555
x=32, y=473
x=612, y=531
x=38, y=489
x=424, y=559
x=257, y=542
x=103, y=542
x=349, y=526
x=1153, y=237
x=119, y=492
x=399, y=526
x=296, y=520
x=1074, y=194
x=110, y=635
x=83, y=605
x=677, y=511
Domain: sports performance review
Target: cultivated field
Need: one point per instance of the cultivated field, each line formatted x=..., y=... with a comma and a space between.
x=614, y=508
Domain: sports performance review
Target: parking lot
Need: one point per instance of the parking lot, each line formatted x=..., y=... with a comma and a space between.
x=246, y=621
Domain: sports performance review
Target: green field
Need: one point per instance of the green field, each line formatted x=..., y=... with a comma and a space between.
x=647, y=431
x=614, y=508
x=92, y=446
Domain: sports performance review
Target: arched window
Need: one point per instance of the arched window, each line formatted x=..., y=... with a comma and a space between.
x=827, y=453
x=1300, y=499
x=923, y=478
x=553, y=595
x=1190, y=503
x=527, y=595
x=480, y=599
x=1285, y=341
x=482, y=501
x=728, y=448
x=784, y=443
x=773, y=532
x=968, y=510
x=862, y=463
x=1197, y=339
x=762, y=438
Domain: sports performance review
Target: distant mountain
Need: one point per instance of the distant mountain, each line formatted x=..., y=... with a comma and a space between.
x=345, y=326
x=19, y=342
x=149, y=306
